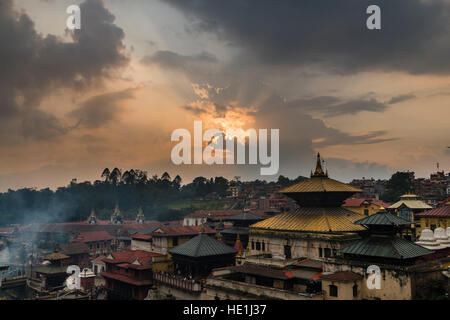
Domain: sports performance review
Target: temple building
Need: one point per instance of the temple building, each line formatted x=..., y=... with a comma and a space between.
x=317, y=229
x=364, y=207
x=140, y=218
x=434, y=218
x=92, y=219
x=116, y=217
x=198, y=256
x=129, y=274
x=391, y=259
x=407, y=207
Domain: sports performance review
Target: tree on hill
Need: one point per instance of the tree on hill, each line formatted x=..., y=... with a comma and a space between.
x=399, y=184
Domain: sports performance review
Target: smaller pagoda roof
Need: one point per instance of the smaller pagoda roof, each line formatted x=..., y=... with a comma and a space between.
x=56, y=256
x=411, y=201
x=202, y=246
x=383, y=219
x=385, y=247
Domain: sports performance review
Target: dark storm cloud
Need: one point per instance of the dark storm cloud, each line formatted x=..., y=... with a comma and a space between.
x=401, y=98
x=333, y=106
x=33, y=65
x=197, y=67
x=99, y=110
x=330, y=33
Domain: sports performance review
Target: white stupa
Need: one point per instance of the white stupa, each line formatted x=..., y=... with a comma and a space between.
x=427, y=240
x=441, y=237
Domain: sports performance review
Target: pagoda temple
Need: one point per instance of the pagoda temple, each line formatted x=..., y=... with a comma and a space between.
x=317, y=229
x=92, y=219
x=116, y=217
x=140, y=218
x=198, y=256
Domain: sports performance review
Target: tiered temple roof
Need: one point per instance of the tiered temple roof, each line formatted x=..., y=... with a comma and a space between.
x=202, y=246
x=411, y=201
x=320, y=199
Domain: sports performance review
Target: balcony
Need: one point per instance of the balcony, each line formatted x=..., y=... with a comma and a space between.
x=178, y=283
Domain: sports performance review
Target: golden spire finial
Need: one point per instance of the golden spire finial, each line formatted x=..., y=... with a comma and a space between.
x=319, y=171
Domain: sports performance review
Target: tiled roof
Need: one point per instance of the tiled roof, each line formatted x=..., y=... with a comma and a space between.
x=343, y=276
x=312, y=219
x=385, y=247
x=412, y=204
x=129, y=256
x=140, y=236
x=381, y=203
x=99, y=259
x=356, y=202
x=92, y=236
x=202, y=246
x=310, y=263
x=383, y=219
x=181, y=231
x=126, y=279
x=56, y=256
x=319, y=184
x=438, y=212
x=74, y=248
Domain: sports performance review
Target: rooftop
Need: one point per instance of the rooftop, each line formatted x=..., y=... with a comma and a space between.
x=92, y=236
x=313, y=219
x=383, y=219
x=357, y=202
x=385, y=247
x=202, y=246
x=438, y=212
x=181, y=231
x=343, y=276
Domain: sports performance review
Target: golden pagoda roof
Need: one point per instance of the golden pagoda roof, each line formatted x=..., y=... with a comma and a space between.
x=313, y=219
x=56, y=256
x=319, y=182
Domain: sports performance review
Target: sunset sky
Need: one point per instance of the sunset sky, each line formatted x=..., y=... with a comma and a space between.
x=370, y=101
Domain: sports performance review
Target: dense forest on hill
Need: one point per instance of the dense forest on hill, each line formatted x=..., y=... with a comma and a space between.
x=161, y=198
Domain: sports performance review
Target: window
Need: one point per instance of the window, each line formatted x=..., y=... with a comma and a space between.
x=253, y=245
x=327, y=252
x=334, y=252
x=175, y=241
x=258, y=246
x=98, y=245
x=355, y=290
x=263, y=246
x=320, y=252
x=333, y=291
x=287, y=252
x=366, y=212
